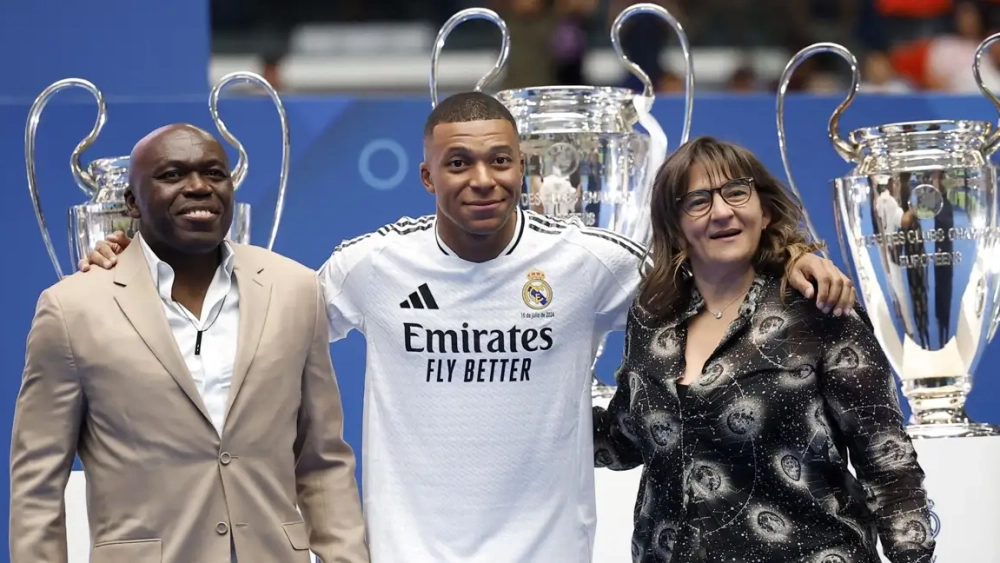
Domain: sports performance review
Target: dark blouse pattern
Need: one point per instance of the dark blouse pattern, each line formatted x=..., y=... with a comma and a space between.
x=752, y=466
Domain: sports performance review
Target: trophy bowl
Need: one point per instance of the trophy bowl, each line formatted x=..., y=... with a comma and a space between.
x=583, y=158
x=918, y=218
x=105, y=213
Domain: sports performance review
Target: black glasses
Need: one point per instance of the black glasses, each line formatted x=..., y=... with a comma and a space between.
x=735, y=193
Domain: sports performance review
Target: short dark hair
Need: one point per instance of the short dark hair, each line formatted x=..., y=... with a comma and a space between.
x=465, y=107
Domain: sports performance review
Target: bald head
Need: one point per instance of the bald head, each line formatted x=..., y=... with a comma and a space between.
x=140, y=159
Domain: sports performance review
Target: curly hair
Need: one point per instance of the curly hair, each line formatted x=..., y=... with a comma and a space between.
x=665, y=285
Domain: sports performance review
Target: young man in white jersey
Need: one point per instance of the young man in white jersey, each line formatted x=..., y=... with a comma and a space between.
x=481, y=323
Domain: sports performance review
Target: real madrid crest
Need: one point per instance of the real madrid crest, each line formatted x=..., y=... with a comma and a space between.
x=537, y=293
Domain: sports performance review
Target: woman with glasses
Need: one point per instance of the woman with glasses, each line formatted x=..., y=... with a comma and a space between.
x=743, y=401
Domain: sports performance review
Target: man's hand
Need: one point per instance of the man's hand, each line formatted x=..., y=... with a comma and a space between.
x=104, y=255
x=835, y=290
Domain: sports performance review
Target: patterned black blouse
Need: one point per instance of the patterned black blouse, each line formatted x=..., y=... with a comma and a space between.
x=749, y=465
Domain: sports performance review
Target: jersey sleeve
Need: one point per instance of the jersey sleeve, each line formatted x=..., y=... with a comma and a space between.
x=620, y=265
x=344, y=279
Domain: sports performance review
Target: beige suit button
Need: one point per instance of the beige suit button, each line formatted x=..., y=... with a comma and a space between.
x=225, y=458
x=221, y=528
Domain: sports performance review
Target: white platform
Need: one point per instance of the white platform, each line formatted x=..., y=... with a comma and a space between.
x=963, y=485
x=616, y=495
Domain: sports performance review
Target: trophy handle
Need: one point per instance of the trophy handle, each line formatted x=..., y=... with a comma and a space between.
x=449, y=26
x=843, y=148
x=648, y=91
x=84, y=179
x=242, y=164
x=993, y=141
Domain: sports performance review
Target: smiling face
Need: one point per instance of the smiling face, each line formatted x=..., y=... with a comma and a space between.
x=180, y=188
x=758, y=227
x=474, y=170
x=721, y=218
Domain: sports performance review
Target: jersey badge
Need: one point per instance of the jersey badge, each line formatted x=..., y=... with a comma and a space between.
x=537, y=293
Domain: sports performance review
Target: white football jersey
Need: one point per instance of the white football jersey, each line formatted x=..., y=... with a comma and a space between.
x=477, y=440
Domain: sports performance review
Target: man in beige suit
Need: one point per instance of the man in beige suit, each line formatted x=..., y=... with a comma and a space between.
x=194, y=381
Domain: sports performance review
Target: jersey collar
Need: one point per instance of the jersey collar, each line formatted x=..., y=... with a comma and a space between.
x=518, y=232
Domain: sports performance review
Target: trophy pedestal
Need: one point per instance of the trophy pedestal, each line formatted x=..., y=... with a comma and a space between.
x=952, y=431
x=964, y=492
x=616, y=496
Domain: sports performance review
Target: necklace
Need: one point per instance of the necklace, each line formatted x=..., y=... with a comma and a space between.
x=718, y=315
x=194, y=323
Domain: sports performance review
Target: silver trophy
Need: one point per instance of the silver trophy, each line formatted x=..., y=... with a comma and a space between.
x=105, y=180
x=240, y=230
x=584, y=157
x=917, y=217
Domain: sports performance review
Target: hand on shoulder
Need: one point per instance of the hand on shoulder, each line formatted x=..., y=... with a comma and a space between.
x=105, y=255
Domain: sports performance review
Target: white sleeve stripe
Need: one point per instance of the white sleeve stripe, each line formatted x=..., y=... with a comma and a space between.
x=404, y=230
x=557, y=225
x=545, y=230
x=409, y=221
x=631, y=248
x=553, y=222
x=404, y=226
x=408, y=225
x=617, y=236
x=351, y=242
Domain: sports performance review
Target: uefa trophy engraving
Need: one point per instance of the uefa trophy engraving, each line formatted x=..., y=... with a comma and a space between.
x=105, y=180
x=917, y=218
x=584, y=157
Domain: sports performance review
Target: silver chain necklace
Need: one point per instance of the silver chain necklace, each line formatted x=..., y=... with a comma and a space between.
x=719, y=314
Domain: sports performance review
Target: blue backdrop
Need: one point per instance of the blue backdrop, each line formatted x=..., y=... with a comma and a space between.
x=355, y=168
x=110, y=42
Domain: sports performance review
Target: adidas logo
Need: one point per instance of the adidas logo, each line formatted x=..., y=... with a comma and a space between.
x=420, y=299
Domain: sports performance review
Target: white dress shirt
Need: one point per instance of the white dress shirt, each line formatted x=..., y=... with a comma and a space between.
x=211, y=366
x=209, y=358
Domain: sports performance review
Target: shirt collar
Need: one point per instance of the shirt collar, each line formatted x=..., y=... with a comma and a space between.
x=518, y=231
x=163, y=274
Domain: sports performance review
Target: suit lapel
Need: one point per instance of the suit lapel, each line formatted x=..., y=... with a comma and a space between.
x=255, y=298
x=138, y=298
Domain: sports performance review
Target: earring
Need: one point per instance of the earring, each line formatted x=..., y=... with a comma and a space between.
x=686, y=272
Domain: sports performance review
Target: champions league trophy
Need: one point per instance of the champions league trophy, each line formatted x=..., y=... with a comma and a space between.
x=105, y=180
x=917, y=217
x=584, y=159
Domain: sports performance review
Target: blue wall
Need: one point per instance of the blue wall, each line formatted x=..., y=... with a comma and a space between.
x=355, y=167
x=140, y=49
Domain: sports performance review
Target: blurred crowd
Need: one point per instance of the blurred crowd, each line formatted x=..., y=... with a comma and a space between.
x=902, y=45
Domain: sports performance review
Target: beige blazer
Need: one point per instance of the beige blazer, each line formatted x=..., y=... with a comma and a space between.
x=103, y=378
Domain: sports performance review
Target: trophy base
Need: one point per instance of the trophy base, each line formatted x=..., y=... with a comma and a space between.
x=956, y=430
